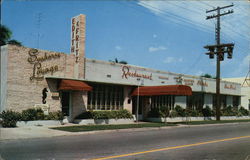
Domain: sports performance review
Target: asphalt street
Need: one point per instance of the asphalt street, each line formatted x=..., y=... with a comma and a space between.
x=212, y=142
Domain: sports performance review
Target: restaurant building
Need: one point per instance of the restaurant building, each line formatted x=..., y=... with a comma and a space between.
x=73, y=83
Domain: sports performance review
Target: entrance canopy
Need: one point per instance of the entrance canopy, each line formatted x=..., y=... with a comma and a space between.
x=180, y=90
x=74, y=85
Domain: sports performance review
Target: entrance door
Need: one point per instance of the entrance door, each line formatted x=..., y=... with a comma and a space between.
x=65, y=100
x=135, y=105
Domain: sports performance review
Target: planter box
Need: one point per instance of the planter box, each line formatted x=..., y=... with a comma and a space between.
x=103, y=121
x=38, y=123
x=184, y=119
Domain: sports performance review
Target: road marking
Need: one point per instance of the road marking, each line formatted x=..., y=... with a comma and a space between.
x=171, y=148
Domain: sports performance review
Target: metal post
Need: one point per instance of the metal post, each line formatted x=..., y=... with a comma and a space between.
x=137, y=107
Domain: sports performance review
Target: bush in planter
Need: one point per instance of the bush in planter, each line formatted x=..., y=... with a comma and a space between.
x=32, y=114
x=123, y=114
x=54, y=116
x=106, y=115
x=154, y=113
x=244, y=112
x=180, y=111
x=173, y=114
x=10, y=118
x=193, y=113
x=229, y=111
x=207, y=112
x=164, y=111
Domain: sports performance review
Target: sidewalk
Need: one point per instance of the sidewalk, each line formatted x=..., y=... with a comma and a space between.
x=31, y=132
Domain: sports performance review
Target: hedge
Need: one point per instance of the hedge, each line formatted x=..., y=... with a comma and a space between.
x=10, y=118
x=119, y=114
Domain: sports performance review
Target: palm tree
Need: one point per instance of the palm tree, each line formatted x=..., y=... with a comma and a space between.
x=5, y=35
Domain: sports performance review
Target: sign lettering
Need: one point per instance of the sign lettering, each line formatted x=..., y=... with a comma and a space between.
x=126, y=73
x=38, y=70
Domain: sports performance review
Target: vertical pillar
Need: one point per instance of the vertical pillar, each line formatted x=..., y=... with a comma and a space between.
x=77, y=47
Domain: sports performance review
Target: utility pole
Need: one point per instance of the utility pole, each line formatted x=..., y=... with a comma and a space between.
x=219, y=50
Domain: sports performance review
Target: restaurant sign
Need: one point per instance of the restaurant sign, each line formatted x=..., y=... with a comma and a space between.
x=126, y=73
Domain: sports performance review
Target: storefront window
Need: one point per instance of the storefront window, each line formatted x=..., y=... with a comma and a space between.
x=105, y=97
x=236, y=101
x=162, y=101
x=195, y=101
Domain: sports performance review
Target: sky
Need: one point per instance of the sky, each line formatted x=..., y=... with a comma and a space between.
x=163, y=35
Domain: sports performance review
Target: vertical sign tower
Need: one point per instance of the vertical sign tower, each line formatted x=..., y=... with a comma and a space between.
x=77, y=47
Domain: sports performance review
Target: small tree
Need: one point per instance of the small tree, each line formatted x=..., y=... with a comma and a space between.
x=164, y=112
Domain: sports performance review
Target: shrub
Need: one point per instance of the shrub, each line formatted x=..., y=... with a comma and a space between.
x=32, y=114
x=243, y=111
x=180, y=111
x=105, y=115
x=193, y=113
x=207, y=112
x=229, y=111
x=173, y=113
x=10, y=118
x=54, y=116
x=154, y=113
x=85, y=115
x=164, y=111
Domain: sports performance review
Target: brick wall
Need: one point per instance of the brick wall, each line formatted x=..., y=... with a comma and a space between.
x=22, y=92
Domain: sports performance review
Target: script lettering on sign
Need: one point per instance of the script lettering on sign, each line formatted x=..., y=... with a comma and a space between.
x=38, y=70
x=126, y=73
x=229, y=86
x=202, y=83
x=188, y=82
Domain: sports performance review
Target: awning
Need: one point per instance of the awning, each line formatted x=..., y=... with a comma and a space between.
x=74, y=85
x=180, y=90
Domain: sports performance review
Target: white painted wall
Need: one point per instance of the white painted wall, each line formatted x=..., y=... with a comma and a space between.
x=108, y=72
x=245, y=90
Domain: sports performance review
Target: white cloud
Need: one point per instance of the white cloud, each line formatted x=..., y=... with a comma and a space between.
x=118, y=48
x=199, y=73
x=169, y=60
x=193, y=14
x=155, y=49
x=172, y=60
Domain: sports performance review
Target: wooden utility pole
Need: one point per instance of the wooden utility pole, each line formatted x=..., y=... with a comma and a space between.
x=219, y=50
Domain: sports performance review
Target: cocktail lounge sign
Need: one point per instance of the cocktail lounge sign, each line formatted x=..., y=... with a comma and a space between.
x=38, y=70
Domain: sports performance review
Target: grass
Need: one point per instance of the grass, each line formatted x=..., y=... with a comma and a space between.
x=84, y=128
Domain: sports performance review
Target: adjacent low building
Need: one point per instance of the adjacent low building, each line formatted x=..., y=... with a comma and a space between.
x=73, y=83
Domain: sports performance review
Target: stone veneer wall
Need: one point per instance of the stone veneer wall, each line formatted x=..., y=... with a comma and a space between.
x=23, y=93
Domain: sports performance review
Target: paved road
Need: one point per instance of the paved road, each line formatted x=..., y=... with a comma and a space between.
x=220, y=142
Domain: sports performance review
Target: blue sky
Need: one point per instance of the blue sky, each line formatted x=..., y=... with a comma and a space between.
x=163, y=35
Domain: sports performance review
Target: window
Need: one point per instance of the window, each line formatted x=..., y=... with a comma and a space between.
x=236, y=101
x=106, y=97
x=196, y=101
x=162, y=101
